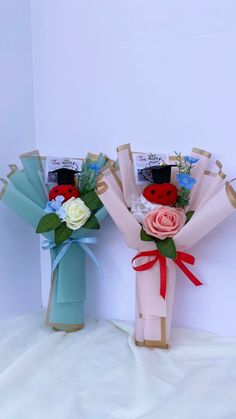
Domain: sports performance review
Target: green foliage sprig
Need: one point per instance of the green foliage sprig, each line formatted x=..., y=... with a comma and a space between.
x=183, y=198
x=87, y=179
x=184, y=166
x=166, y=247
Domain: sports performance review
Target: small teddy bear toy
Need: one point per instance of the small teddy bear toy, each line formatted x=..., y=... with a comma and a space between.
x=161, y=191
x=66, y=184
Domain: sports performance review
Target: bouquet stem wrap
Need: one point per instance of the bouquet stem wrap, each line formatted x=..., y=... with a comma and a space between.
x=68, y=289
x=213, y=200
x=153, y=313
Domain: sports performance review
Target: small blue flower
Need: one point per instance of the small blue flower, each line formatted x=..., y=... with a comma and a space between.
x=61, y=213
x=185, y=181
x=55, y=206
x=190, y=160
x=94, y=167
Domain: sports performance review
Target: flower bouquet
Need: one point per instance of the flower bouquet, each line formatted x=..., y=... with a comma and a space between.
x=176, y=201
x=66, y=214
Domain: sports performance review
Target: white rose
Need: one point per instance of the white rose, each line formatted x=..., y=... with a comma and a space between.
x=77, y=213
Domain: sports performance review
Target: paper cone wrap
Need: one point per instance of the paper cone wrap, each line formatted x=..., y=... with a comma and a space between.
x=153, y=312
x=26, y=195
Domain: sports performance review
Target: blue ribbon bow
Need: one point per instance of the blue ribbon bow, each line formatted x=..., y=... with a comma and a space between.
x=81, y=241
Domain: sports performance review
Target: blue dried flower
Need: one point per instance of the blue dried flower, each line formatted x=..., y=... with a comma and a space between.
x=185, y=181
x=94, y=167
x=55, y=206
x=190, y=160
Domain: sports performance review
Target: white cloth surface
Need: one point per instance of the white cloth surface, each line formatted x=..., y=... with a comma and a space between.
x=99, y=373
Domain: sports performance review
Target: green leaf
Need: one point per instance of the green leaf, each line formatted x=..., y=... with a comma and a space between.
x=48, y=222
x=91, y=200
x=189, y=215
x=87, y=179
x=62, y=233
x=92, y=223
x=167, y=248
x=146, y=237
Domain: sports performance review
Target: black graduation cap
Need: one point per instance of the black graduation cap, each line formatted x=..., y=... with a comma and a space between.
x=158, y=174
x=65, y=176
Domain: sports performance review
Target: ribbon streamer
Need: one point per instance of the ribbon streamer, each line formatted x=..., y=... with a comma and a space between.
x=179, y=261
x=81, y=241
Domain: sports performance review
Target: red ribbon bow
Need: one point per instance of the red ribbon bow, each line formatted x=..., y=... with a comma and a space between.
x=157, y=256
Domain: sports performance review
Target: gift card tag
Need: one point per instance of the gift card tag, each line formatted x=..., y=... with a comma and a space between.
x=54, y=163
x=144, y=160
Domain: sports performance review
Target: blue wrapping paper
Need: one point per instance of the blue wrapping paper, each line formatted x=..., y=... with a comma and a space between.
x=20, y=181
x=66, y=302
x=68, y=285
x=33, y=166
x=68, y=291
x=21, y=204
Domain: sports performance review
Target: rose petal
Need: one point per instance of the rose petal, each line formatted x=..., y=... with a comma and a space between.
x=164, y=222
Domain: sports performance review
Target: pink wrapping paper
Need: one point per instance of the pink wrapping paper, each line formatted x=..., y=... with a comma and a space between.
x=126, y=165
x=153, y=313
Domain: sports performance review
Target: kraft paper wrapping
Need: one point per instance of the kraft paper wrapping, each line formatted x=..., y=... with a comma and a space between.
x=153, y=313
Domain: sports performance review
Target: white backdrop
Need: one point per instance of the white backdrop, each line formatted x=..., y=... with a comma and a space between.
x=161, y=75
x=20, y=286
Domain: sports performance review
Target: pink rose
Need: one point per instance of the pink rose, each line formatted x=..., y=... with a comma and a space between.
x=163, y=222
